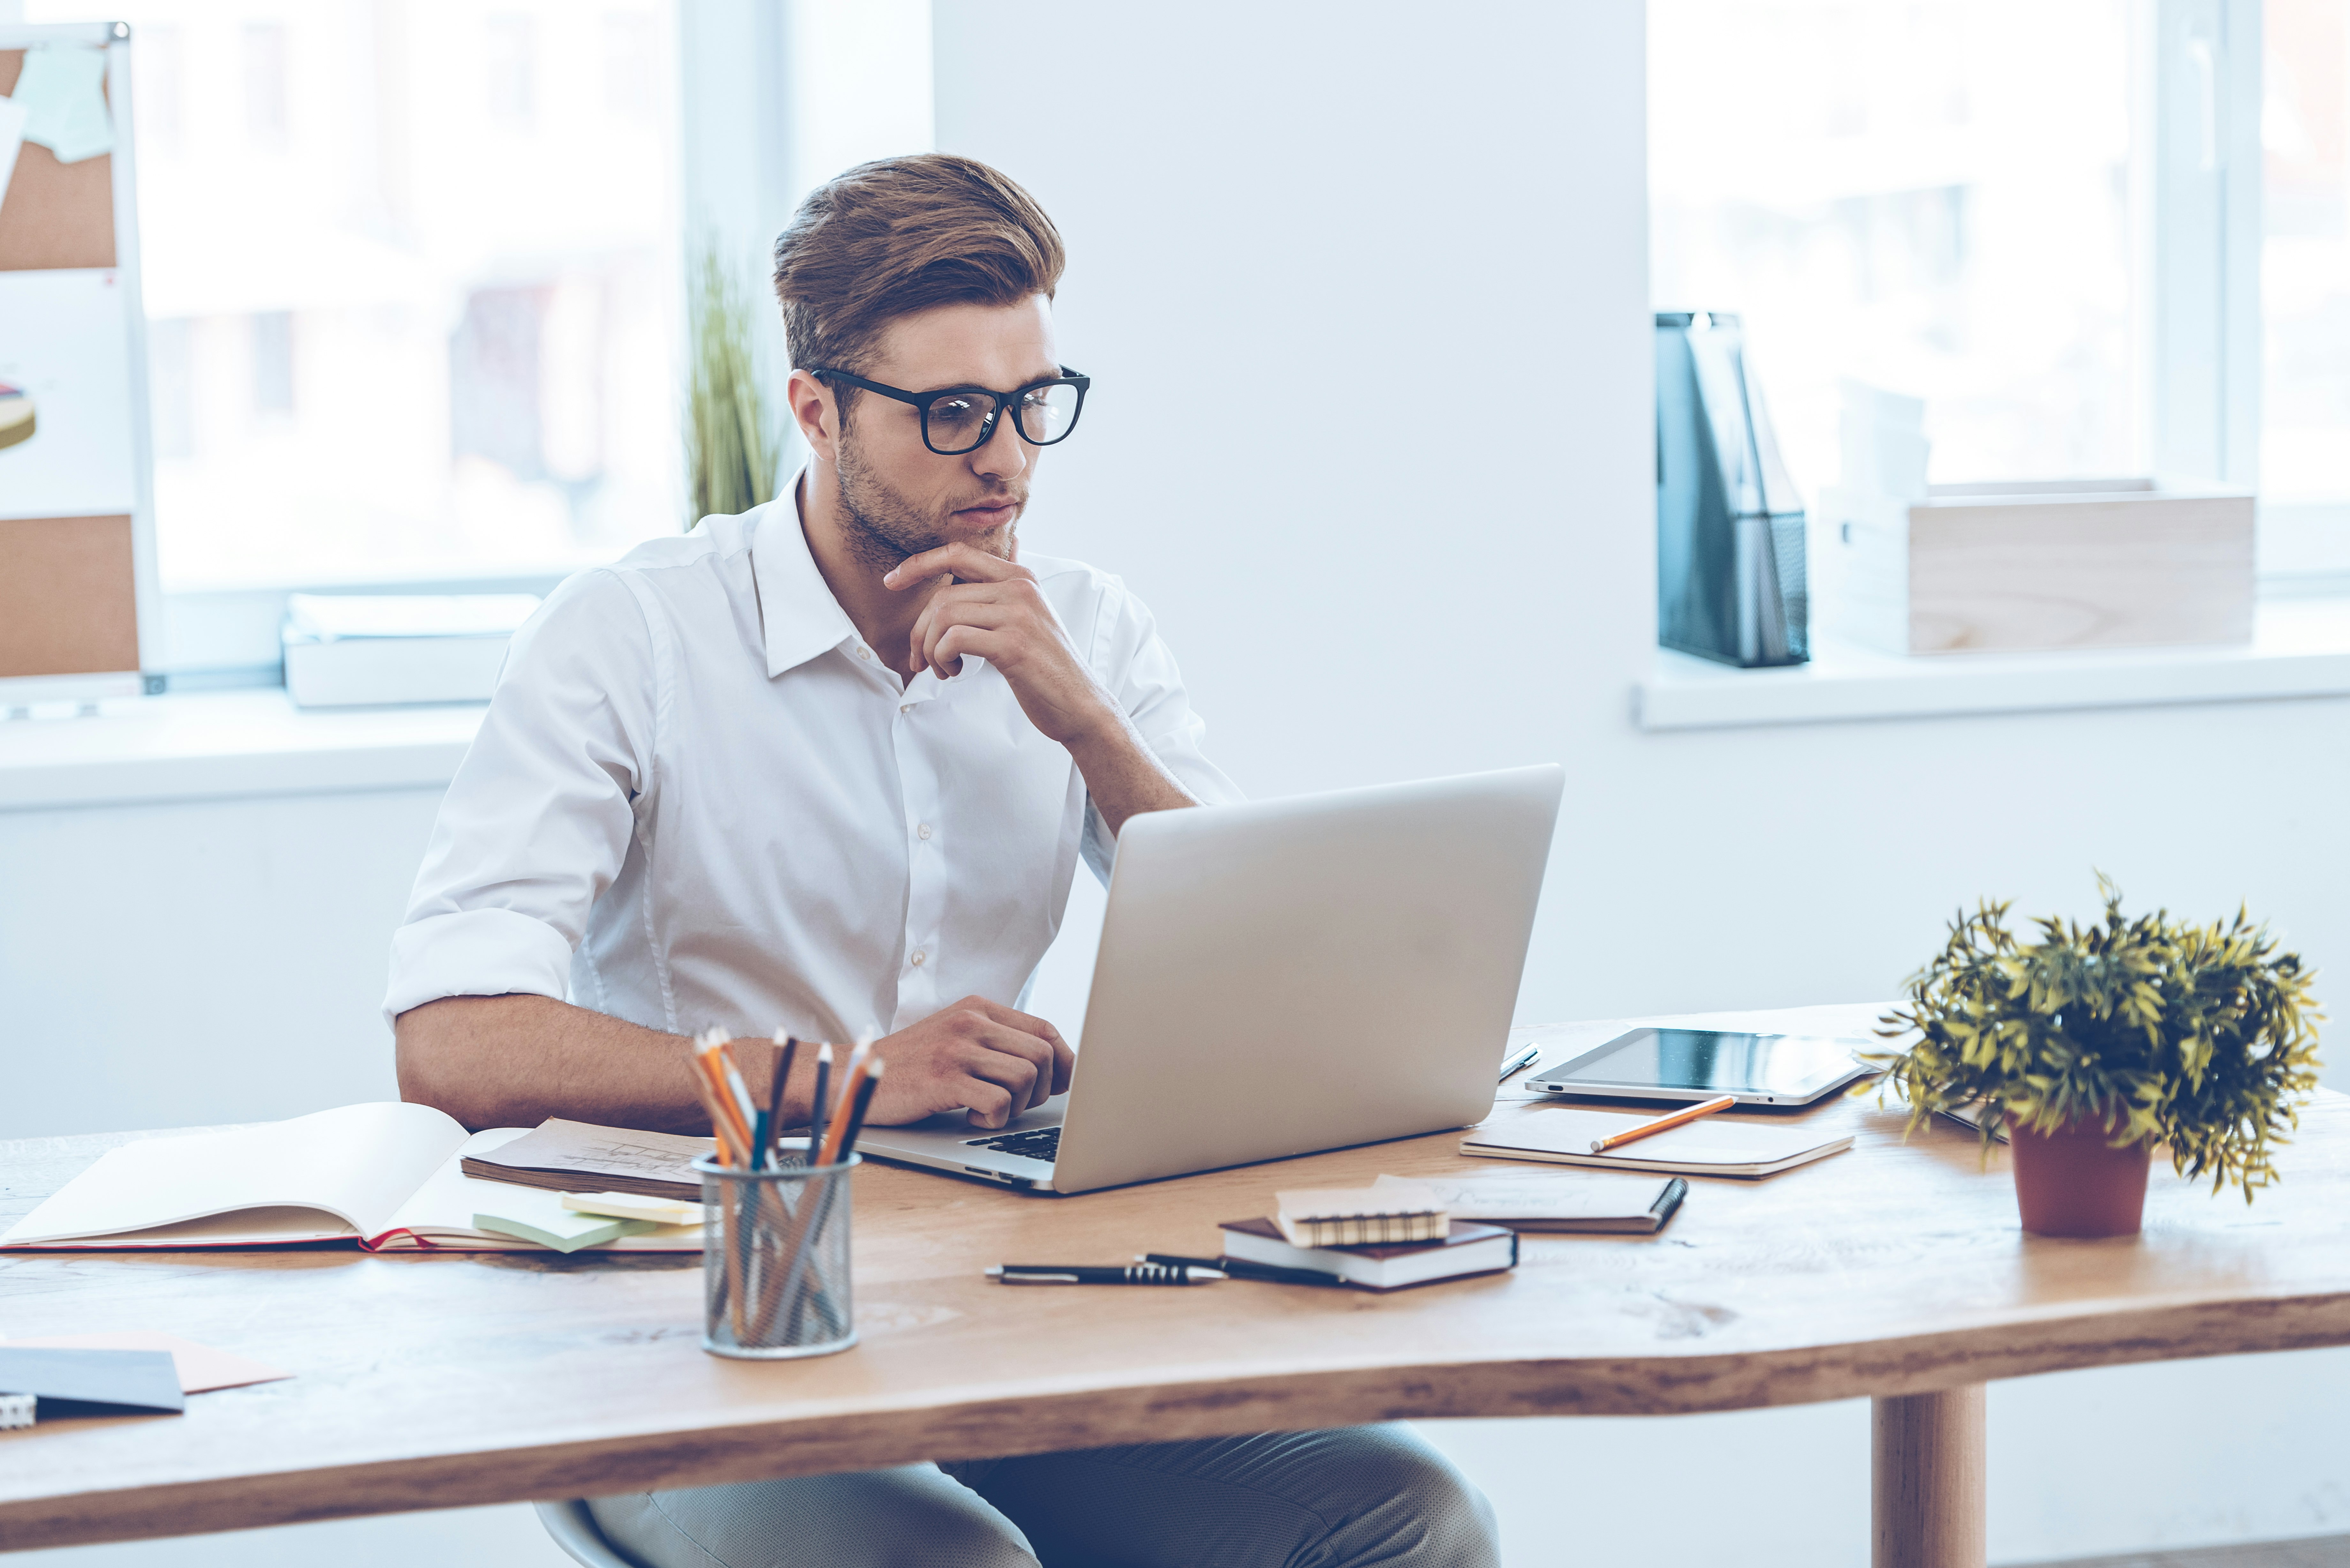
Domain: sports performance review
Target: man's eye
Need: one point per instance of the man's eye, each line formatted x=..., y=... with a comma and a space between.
x=956, y=412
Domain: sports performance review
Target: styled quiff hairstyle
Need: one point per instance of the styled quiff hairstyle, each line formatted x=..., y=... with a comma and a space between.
x=902, y=235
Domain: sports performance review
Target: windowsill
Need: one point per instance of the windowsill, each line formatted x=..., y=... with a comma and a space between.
x=224, y=744
x=2300, y=648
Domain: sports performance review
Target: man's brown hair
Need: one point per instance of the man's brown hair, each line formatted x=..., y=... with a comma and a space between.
x=902, y=235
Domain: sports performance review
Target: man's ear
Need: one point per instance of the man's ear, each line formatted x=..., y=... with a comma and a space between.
x=816, y=412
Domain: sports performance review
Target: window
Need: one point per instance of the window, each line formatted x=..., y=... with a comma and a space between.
x=1937, y=199
x=2306, y=251
x=2099, y=238
x=412, y=275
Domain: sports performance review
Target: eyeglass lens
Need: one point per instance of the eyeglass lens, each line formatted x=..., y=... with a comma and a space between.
x=955, y=421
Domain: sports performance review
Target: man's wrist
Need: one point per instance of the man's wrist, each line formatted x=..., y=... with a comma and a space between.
x=1105, y=734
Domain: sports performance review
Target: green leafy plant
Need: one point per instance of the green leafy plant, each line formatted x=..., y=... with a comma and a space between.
x=733, y=448
x=2203, y=1037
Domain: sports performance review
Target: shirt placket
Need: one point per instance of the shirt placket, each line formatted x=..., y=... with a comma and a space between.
x=913, y=732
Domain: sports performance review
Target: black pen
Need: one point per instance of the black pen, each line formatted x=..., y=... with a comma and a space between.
x=1099, y=1274
x=1242, y=1269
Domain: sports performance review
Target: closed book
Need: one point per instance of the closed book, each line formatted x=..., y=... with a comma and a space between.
x=1469, y=1249
x=1562, y=1203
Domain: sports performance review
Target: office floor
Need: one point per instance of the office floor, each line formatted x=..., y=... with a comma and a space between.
x=2320, y=1552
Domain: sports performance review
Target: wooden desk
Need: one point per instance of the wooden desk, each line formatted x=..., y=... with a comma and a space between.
x=1896, y=1271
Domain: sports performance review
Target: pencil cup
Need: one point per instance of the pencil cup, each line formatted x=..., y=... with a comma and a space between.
x=774, y=1261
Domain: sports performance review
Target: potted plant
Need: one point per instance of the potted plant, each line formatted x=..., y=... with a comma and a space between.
x=2095, y=1043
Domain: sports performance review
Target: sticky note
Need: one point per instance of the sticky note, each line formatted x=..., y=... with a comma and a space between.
x=61, y=91
x=12, y=137
x=634, y=1206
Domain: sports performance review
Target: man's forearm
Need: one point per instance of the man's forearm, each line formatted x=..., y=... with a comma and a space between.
x=514, y=1061
x=1124, y=776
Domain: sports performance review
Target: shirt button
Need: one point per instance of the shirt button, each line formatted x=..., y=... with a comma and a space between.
x=863, y=652
x=905, y=707
x=918, y=956
x=923, y=831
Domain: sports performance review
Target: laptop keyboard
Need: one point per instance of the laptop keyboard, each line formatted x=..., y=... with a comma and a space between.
x=1037, y=1143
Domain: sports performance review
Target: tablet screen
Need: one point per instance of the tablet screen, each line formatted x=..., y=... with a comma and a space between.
x=1789, y=1065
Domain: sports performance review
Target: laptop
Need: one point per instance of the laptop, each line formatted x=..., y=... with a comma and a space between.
x=1282, y=977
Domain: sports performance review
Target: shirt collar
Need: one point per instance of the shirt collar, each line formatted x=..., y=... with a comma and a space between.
x=798, y=617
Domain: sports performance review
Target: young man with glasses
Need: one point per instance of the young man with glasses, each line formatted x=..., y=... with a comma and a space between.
x=829, y=765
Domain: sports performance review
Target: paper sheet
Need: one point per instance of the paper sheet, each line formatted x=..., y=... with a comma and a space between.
x=200, y=1367
x=62, y=91
x=12, y=136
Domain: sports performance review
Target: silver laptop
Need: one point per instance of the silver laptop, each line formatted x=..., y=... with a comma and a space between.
x=1282, y=977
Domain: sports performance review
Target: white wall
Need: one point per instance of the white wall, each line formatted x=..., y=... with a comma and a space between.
x=1363, y=288
x=1419, y=545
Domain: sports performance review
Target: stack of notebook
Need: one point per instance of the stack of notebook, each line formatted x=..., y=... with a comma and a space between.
x=1378, y=1237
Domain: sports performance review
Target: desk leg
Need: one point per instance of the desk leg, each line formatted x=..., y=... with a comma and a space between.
x=1929, y=1480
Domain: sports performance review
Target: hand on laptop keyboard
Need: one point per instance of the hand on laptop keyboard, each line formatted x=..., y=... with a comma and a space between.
x=976, y=1054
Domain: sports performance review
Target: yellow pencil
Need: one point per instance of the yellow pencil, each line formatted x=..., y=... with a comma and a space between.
x=1682, y=1117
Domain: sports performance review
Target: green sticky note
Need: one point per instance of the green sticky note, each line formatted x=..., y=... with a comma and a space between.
x=561, y=1229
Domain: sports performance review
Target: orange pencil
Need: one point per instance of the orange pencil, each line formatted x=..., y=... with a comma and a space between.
x=859, y=1065
x=1682, y=1117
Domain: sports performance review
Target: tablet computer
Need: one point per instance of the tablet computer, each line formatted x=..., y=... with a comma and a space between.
x=1654, y=1063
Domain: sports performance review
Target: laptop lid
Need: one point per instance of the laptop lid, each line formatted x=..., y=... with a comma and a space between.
x=1285, y=976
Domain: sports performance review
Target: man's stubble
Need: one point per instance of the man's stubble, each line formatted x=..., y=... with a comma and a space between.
x=883, y=528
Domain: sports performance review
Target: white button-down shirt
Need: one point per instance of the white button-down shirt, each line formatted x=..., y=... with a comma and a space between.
x=697, y=799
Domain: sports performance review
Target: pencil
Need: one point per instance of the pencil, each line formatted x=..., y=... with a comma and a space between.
x=719, y=1125
x=791, y=1048
x=820, y=1106
x=864, y=1103
x=1666, y=1123
x=855, y=1093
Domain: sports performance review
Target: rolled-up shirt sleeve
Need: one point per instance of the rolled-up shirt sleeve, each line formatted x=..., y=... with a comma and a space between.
x=1139, y=669
x=536, y=823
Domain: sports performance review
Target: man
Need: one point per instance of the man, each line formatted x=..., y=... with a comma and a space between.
x=829, y=765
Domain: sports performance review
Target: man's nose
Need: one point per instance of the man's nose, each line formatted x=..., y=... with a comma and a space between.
x=1000, y=456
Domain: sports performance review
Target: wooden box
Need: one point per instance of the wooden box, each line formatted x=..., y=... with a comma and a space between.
x=2033, y=566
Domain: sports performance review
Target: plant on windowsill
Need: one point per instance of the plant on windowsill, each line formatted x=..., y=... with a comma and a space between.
x=2095, y=1043
x=732, y=446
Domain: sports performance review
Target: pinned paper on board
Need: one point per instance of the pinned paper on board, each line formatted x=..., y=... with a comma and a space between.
x=12, y=136
x=62, y=92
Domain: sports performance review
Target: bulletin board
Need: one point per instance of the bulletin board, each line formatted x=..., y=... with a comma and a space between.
x=80, y=608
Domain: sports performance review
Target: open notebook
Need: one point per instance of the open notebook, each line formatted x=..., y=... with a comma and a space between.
x=385, y=1175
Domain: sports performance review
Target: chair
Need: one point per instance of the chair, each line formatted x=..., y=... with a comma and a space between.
x=574, y=1529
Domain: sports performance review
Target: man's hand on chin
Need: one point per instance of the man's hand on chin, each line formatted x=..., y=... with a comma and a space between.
x=996, y=609
x=976, y=1054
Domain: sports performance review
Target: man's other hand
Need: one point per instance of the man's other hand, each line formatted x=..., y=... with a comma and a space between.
x=978, y=1055
x=994, y=609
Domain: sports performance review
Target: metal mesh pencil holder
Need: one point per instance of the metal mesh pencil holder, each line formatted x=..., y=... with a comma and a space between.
x=775, y=1260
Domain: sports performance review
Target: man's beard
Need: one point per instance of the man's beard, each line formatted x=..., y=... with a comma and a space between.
x=884, y=528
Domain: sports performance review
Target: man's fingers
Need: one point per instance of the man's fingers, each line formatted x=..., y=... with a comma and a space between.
x=968, y=562
x=989, y=1105
x=1065, y=1060
x=1015, y=1075
x=935, y=623
x=1027, y=1022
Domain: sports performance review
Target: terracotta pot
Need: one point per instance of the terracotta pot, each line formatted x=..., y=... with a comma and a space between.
x=2070, y=1182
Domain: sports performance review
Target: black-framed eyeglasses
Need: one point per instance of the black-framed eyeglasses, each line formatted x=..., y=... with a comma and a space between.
x=957, y=419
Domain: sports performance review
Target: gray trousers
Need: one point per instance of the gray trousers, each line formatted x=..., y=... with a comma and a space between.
x=1343, y=1498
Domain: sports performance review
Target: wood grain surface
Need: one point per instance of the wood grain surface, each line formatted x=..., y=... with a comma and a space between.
x=438, y=1382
